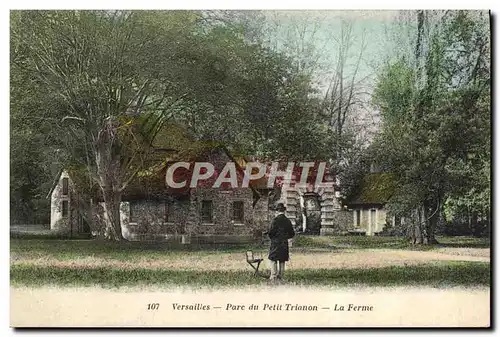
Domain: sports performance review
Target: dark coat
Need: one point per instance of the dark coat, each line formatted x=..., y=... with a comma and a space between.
x=280, y=231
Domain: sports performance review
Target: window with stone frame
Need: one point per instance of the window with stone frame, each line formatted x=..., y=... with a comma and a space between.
x=167, y=208
x=207, y=211
x=65, y=206
x=65, y=186
x=133, y=211
x=238, y=211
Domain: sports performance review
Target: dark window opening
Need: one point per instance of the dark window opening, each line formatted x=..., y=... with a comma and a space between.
x=65, y=186
x=358, y=217
x=167, y=209
x=65, y=208
x=238, y=211
x=397, y=221
x=133, y=212
x=206, y=211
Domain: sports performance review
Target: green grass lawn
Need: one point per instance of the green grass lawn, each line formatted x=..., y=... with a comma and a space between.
x=73, y=249
x=434, y=273
x=390, y=242
x=69, y=249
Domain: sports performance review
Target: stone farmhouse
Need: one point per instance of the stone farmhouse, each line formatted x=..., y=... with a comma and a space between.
x=152, y=211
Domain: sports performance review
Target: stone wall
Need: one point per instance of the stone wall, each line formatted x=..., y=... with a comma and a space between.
x=255, y=218
x=342, y=221
x=184, y=215
x=149, y=216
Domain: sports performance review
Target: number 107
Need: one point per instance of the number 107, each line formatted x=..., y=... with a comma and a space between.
x=153, y=306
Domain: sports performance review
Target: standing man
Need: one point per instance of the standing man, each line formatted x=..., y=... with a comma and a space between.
x=280, y=231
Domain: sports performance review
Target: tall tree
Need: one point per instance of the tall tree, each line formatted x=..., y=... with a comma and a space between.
x=108, y=79
x=328, y=48
x=263, y=104
x=345, y=97
x=432, y=109
x=106, y=82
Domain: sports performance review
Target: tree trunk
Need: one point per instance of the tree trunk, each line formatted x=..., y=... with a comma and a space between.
x=423, y=227
x=488, y=221
x=475, y=228
x=425, y=224
x=469, y=221
x=430, y=222
x=90, y=217
x=112, y=201
x=108, y=171
x=414, y=230
x=420, y=228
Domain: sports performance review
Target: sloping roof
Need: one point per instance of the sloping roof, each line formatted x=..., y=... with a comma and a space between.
x=150, y=183
x=54, y=183
x=375, y=188
x=78, y=176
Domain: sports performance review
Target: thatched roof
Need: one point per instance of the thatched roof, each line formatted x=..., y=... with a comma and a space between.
x=150, y=183
x=374, y=189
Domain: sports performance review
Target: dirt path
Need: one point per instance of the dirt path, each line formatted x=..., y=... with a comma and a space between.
x=236, y=261
x=362, y=307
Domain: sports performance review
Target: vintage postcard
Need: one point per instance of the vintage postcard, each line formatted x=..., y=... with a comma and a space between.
x=250, y=168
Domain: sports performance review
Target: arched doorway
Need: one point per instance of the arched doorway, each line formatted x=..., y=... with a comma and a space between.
x=311, y=209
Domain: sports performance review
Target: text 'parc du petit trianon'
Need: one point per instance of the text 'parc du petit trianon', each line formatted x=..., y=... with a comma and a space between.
x=201, y=172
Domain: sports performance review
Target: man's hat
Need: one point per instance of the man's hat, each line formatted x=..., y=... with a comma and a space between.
x=280, y=207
